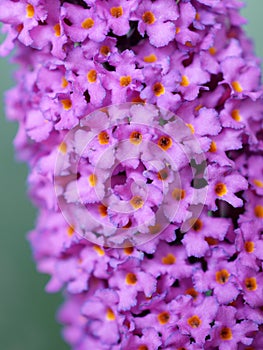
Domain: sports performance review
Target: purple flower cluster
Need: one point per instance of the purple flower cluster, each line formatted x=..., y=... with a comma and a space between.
x=200, y=288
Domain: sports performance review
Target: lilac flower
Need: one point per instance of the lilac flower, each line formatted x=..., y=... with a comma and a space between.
x=154, y=226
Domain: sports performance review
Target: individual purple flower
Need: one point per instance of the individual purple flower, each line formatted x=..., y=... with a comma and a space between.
x=227, y=333
x=156, y=19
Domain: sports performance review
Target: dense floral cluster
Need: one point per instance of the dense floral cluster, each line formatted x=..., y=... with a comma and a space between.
x=200, y=289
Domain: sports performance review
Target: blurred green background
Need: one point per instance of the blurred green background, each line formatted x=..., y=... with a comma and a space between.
x=27, y=313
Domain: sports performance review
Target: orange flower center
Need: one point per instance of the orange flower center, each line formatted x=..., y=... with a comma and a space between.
x=222, y=276
x=57, y=29
x=258, y=210
x=169, y=259
x=220, y=189
x=185, y=81
x=211, y=241
x=99, y=250
x=158, y=89
x=125, y=80
x=70, y=231
x=236, y=86
x=135, y=137
x=93, y=180
x=116, y=11
x=128, y=250
x=178, y=194
x=105, y=50
x=226, y=333
x=192, y=292
x=194, y=321
x=30, y=11
x=165, y=142
x=67, y=104
x=62, y=148
x=213, y=147
x=131, y=279
x=110, y=316
x=143, y=347
x=136, y=202
x=251, y=284
x=191, y=127
x=87, y=23
x=236, y=115
x=92, y=76
x=163, y=317
x=249, y=246
x=148, y=17
x=150, y=59
x=197, y=225
x=103, y=210
x=103, y=138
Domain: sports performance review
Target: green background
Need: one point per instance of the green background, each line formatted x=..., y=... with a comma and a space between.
x=27, y=313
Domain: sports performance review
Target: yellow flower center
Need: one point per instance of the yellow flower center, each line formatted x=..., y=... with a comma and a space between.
x=136, y=202
x=236, y=115
x=191, y=127
x=110, y=316
x=57, y=29
x=67, y=104
x=220, y=189
x=165, y=142
x=222, y=276
x=135, y=138
x=163, y=317
x=148, y=17
x=185, y=81
x=213, y=147
x=62, y=147
x=125, y=80
x=150, y=59
x=87, y=23
x=98, y=250
x=116, y=11
x=104, y=138
x=158, y=89
x=258, y=210
x=236, y=86
x=92, y=76
x=226, y=333
x=251, y=284
x=131, y=279
x=64, y=82
x=93, y=180
x=194, y=321
x=30, y=11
